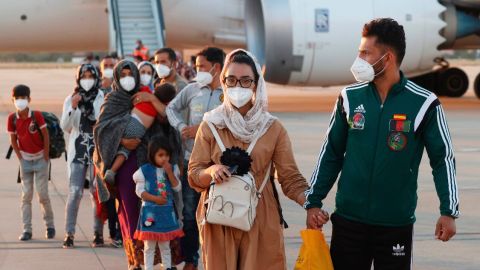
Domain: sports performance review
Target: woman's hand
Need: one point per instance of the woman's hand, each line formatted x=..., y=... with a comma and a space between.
x=147, y=97
x=130, y=144
x=219, y=173
x=316, y=218
x=75, y=100
x=142, y=97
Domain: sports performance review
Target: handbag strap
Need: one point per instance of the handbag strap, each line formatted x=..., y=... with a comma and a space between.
x=220, y=142
x=217, y=136
x=249, y=150
x=265, y=180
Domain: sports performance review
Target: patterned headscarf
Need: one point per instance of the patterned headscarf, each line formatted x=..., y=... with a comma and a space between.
x=85, y=105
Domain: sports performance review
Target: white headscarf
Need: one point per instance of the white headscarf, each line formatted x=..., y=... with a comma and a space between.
x=257, y=120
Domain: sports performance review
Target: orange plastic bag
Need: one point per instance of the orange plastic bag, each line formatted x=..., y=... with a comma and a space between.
x=314, y=253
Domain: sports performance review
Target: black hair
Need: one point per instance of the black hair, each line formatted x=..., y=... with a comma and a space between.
x=108, y=56
x=213, y=55
x=156, y=143
x=171, y=53
x=389, y=33
x=21, y=90
x=165, y=92
x=242, y=57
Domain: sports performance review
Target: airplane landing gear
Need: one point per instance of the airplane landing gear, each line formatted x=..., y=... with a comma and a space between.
x=453, y=82
x=476, y=86
x=445, y=81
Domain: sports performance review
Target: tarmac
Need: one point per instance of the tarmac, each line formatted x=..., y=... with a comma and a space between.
x=305, y=113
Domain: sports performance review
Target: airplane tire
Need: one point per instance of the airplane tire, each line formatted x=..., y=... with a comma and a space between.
x=453, y=82
x=476, y=86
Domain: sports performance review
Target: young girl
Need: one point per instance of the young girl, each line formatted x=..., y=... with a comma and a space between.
x=158, y=222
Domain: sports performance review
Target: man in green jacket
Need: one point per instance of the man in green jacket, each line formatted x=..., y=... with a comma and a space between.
x=376, y=137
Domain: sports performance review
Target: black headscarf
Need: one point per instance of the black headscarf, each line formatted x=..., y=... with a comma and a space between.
x=117, y=72
x=85, y=105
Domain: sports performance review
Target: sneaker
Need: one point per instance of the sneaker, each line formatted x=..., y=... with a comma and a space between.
x=172, y=268
x=25, y=236
x=117, y=243
x=110, y=177
x=98, y=240
x=50, y=234
x=68, y=242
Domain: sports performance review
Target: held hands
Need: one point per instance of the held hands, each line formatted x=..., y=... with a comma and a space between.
x=219, y=173
x=316, y=218
x=445, y=228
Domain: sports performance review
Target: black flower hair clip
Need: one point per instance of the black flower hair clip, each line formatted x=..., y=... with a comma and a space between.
x=237, y=160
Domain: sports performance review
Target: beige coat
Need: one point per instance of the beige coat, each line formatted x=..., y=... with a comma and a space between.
x=263, y=246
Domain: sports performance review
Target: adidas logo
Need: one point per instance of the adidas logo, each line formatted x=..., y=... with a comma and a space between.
x=398, y=250
x=360, y=109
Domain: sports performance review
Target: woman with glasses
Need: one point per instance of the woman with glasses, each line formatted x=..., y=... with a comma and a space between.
x=241, y=118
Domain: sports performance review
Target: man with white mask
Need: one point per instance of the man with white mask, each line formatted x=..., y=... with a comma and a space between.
x=80, y=112
x=376, y=138
x=165, y=61
x=195, y=99
x=106, y=71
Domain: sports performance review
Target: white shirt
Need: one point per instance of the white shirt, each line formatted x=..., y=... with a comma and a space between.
x=139, y=179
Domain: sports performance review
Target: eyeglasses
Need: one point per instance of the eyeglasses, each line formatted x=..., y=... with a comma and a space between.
x=231, y=81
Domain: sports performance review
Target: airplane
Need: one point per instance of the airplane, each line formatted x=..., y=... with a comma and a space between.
x=300, y=42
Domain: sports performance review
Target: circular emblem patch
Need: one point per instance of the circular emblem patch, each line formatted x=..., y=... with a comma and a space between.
x=221, y=97
x=31, y=128
x=397, y=141
x=358, y=121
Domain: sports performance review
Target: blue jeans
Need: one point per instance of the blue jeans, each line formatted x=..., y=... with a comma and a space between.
x=78, y=173
x=190, y=243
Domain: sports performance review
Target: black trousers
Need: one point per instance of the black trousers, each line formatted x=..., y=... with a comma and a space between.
x=356, y=245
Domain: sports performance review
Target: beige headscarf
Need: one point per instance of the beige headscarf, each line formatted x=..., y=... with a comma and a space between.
x=257, y=120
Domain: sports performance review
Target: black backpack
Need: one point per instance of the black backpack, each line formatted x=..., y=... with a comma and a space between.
x=55, y=134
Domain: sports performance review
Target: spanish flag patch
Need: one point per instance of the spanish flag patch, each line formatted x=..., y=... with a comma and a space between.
x=399, y=117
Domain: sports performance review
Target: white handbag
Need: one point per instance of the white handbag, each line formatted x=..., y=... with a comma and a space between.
x=234, y=202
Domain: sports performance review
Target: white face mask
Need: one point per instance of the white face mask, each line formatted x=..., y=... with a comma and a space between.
x=21, y=104
x=87, y=84
x=108, y=73
x=127, y=83
x=145, y=79
x=162, y=70
x=239, y=96
x=204, y=78
x=363, y=71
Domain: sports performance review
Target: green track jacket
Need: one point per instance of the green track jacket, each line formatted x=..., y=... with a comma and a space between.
x=378, y=149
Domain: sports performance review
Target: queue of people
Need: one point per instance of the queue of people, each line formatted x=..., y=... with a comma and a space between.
x=158, y=147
